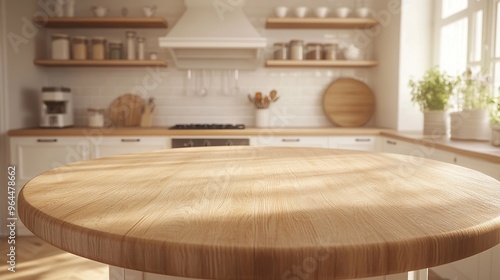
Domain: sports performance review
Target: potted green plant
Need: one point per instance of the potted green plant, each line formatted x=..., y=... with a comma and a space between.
x=432, y=93
x=495, y=121
x=473, y=99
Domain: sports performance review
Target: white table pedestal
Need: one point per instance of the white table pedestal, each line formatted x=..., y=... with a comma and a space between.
x=117, y=273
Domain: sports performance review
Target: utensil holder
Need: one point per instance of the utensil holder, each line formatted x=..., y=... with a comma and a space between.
x=262, y=118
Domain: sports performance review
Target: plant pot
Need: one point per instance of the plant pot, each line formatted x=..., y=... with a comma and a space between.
x=436, y=123
x=470, y=124
x=495, y=135
x=262, y=118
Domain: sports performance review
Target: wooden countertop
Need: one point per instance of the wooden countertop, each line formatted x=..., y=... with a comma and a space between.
x=481, y=150
x=163, y=131
x=256, y=212
x=475, y=149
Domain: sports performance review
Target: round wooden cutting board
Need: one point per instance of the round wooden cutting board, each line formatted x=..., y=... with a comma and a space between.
x=126, y=110
x=349, y=103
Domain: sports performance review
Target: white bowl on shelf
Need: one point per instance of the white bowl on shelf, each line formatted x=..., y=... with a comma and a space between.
x=342, y=12
x=281, y=11
x=363, y=12
x=99, y=11
x=321, y=12
x=300, y=12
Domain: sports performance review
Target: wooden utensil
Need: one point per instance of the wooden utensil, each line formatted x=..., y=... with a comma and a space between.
x=126, y=110
x=349, y=103
x=147, y=113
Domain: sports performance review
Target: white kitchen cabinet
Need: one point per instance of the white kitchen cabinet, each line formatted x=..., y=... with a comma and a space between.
x=358, y=143
x=35, y=155
x=290, y=141
x=483, y=166
x=390, y=145
x=109, y=146
x=440, y=155
x=483, y=266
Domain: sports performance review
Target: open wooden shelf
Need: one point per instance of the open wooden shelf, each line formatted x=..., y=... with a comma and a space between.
x=320, y=23
x=104, y=22
x=100, y=63
x=321, y=63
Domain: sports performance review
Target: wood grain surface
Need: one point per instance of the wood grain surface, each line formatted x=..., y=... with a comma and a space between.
x=265, y=213
x=104, y=22
x=320, y=23
x=349, y=103
x=163, y=131
x=321, y=63
x=99, y=63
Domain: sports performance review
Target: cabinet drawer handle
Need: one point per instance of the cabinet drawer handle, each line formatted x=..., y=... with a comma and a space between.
x=46, y=140
x=131, y=140
x=392, y=142
x=363, y=140
x=290, y=140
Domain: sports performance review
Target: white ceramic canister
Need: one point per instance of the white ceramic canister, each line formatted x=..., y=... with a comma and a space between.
x=95, y=117
x=141, y=48
x=262, y=118
x=60, y=46
x=131, y=55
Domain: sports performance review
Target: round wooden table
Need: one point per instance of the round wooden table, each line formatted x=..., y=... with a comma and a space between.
x=265, y=213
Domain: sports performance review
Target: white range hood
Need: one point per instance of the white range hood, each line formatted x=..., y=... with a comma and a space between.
x=205, y=38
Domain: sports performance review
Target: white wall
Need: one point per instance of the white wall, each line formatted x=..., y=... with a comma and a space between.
x=3, y=118
x=301, y=90
x=23, y=79
x=415, y=57
x=20, y=81
x=387, y=49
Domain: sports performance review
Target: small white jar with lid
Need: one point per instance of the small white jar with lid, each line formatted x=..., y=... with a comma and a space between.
x=60, y=46
x=95, y=117
x=297, y=50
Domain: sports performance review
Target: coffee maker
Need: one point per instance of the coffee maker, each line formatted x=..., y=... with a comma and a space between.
x=56, y=107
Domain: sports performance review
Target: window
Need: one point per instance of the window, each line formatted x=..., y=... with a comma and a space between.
x=495, y=61
x=453, y=49
x=450, y=7
x=468, y=36
x=477, y=40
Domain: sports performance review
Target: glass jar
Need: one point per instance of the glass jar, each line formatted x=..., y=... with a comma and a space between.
x=280, y=51
x=314, y=51
x=80, y=47
x=297, y=50
x=330, y=51
x=115, y=50
x=60, y=46
x=131, y=45
x=141, y=48
x=98, y=48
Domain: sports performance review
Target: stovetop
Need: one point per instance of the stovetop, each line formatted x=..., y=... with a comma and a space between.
x=208, y=126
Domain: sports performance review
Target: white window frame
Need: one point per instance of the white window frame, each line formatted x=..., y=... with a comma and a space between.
x=492, y=59
x=489, y=8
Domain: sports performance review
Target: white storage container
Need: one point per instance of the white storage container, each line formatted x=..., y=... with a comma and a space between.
x=60, y=47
